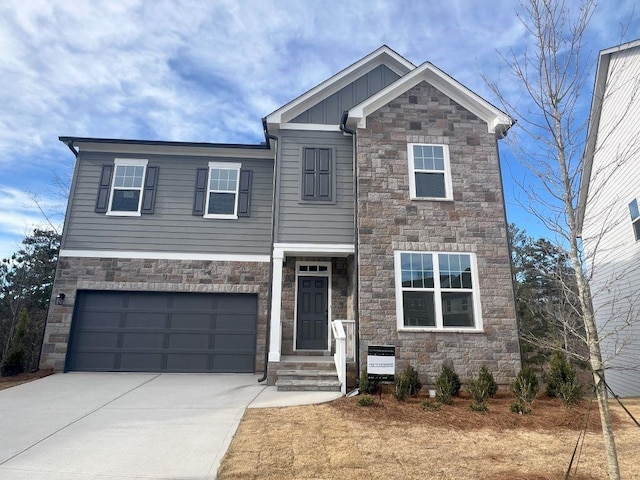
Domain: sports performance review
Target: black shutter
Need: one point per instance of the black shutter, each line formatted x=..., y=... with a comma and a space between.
x=317, y=174
x=244, y=201
x=149, y=193
x=102, y=202
x=201, y=191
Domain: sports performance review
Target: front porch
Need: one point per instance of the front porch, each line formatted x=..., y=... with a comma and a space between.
x=312, y=286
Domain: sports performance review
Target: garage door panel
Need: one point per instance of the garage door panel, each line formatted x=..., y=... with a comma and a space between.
x=233, y=321
x=188, y=340
x=151, y=320
x=156, y=332
x=188, y=362
x=142, y=340
x=200, y=321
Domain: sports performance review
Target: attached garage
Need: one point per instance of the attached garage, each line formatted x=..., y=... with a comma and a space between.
x=163, y=332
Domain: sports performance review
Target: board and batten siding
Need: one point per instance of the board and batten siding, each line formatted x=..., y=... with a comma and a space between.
x=307, y=222
x=172, y=227
x=608, y=233
x=329, y=111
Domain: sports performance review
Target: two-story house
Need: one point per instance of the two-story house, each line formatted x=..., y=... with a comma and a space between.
x=609, y=215
x=376, y=199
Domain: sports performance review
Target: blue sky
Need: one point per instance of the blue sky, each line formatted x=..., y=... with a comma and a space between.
x=209, y=71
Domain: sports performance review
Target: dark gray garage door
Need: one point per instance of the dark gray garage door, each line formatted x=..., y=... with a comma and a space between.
x=163, y=332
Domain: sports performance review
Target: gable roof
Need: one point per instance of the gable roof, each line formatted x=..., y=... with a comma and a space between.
x=602, y=72
x=498, y=122
x=382, y=56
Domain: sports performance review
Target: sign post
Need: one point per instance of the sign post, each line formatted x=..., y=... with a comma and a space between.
x=381, y=364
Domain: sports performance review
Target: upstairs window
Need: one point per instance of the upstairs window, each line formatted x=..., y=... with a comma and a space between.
x=429, y=172
x=222, y=193
x=437, y=291
x=318, y=172
x=635, y=218
x=127, y=188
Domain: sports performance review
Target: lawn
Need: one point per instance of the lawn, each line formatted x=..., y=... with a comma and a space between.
x=341, y=440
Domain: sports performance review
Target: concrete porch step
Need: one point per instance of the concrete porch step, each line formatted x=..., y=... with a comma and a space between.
x=307, y=374
x=308, y=385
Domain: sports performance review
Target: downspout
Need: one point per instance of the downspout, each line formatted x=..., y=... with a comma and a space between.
x=268, y=137
x=356, y=310
x=70, y=145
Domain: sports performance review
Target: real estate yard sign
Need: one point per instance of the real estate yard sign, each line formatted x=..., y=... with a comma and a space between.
x=381, y=363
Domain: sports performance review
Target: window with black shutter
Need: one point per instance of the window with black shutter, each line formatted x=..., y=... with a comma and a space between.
x=127, y=188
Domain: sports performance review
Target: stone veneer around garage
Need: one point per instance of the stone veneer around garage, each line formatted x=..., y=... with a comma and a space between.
x=474, y=222
x=79, y=273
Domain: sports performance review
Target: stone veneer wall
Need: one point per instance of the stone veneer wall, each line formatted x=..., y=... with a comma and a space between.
x=474, y=222
x=77, y=273
x=340, y=282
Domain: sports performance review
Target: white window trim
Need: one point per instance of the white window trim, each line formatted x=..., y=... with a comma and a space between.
x=448, y=188
x=475, y=293
x=226, y=166
x=130, y=162
x=326, y=274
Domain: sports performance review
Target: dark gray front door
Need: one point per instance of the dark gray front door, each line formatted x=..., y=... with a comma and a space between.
x=163, y=332
x=313, y=320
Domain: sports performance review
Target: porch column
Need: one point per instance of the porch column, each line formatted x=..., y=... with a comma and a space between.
x=275, y=337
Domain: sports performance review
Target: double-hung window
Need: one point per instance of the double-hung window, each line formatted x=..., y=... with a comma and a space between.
x=635, y=218
x=437, y=291
x=429, y=172
x=222, y=191
x=127, y=187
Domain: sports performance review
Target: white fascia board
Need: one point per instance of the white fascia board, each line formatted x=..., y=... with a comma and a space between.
x=383, y=55
x=219, y=257
x=201, y=151
x=310, y=126
x=333, y=249
x=496, y=119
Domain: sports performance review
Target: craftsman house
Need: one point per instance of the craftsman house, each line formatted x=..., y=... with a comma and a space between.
x=609, y=215
x=372, y=214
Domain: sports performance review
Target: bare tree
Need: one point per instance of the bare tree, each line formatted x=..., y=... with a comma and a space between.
x=550, y=142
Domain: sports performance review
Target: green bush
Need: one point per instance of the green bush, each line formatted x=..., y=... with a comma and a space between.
x=407, y=384
x=447, y=385
x=526, y=387
x=487, y=378
x=366, y=386
x=520, y=407
x=431, y=405
x=14, y=361
x=365, y=401
x=562, y=381
x=480, y=407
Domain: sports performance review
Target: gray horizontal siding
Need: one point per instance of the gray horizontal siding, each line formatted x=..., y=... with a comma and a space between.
x=329, y=111
x=300, y=222
x=172, y=227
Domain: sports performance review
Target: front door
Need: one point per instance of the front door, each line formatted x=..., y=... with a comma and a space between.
x=312, y=330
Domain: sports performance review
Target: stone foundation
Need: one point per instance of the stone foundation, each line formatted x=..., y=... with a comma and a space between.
x=79, y=273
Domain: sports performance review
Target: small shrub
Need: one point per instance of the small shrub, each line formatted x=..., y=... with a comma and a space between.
x=407, y=384
x=520, y=407
x=366, y=386
x=480, y=407
x=447, y=385
x=431, y=405
x=562, y=381
x=365, y=401
x=14, y=362
x=526, y=386
x=487, y=378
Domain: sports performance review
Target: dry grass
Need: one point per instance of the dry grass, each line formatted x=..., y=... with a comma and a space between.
x=8, y=382
x=341, y=440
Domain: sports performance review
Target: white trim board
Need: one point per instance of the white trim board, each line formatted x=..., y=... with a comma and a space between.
x=331, y=249
x=220, y=257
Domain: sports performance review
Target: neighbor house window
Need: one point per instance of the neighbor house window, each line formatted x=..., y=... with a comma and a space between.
x=437, y=291
x=222, y=192
x=318, y=175
x=429, y=172
x=635, y=218
x=127, y=186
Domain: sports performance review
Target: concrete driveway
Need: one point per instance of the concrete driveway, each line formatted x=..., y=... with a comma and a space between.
x=112, y=425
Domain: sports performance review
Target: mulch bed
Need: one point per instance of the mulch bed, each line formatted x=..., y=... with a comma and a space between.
x=8, y=382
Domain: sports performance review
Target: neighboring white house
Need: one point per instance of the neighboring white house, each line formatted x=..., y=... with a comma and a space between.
x=609, y=212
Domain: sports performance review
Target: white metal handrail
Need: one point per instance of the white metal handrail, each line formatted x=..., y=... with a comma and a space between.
x=340, y=357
